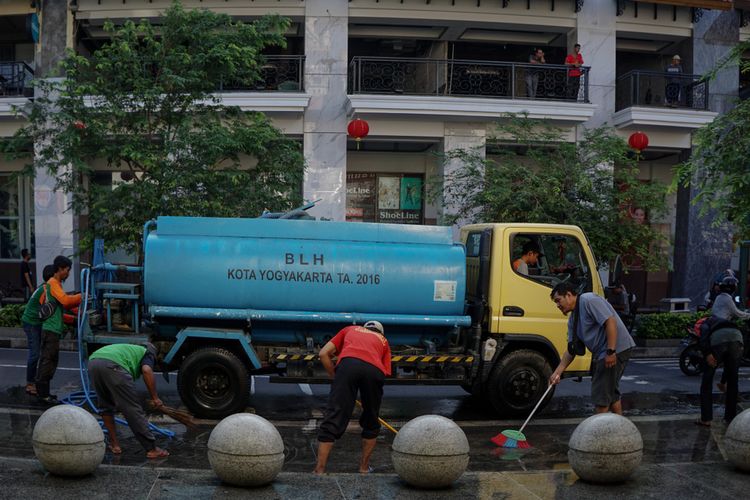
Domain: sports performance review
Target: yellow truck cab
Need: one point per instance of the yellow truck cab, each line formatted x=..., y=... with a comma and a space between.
x=523, y=332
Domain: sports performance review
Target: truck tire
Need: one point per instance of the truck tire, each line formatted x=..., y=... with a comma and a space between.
x=213, y=383
x=517, y=381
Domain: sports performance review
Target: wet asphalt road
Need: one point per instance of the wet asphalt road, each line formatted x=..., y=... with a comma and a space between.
x=657, y=397
x=649, y=387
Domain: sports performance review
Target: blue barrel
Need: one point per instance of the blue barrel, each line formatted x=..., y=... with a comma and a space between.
x=303, y=270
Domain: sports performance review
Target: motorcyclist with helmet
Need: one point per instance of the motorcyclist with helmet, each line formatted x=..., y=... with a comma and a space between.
x=722, y=343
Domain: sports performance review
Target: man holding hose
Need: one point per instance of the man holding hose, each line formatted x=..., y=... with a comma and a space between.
x=593, y=323
x=364, y=360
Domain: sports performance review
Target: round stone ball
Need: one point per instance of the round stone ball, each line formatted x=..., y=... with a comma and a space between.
x=246, y=450
x=737, y=441
x=430, y=452
x=605, y=448
x=68, y=441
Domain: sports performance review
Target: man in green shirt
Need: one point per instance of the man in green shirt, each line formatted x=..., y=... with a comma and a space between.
x=113, y=370
x=53, y=327
x=32, y=326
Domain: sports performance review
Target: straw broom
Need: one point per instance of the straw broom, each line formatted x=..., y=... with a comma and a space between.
x=182, y=416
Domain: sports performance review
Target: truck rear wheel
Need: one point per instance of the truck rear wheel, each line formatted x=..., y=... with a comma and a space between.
x=213, y=383
x=517, y=382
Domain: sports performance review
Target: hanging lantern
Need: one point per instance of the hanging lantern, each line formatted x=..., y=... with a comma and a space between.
x=358, y=129
x=638, y=141
x=79, y=125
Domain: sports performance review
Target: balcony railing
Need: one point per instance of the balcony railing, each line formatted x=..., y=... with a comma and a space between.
x=650, y=88
x=278, y=74
x=15, y=79
x=466, y=78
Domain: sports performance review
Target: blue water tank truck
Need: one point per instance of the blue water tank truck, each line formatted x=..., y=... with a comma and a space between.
x=229, y=298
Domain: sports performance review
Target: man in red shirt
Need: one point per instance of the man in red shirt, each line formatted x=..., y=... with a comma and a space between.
x=363, y=362
x=574, y=62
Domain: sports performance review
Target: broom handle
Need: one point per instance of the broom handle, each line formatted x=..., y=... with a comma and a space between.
x=382, y=422
x=536, y=407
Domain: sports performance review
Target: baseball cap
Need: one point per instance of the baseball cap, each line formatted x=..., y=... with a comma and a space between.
x=375, y=325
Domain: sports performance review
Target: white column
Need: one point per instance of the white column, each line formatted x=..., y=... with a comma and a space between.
x=596, y=32
x=466, y=136
x=325, y=120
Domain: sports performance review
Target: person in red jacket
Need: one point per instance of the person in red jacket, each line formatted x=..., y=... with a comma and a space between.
x=364, y=360
x=574, y=62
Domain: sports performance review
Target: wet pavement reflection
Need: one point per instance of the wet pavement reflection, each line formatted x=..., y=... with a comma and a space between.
x=665, y=441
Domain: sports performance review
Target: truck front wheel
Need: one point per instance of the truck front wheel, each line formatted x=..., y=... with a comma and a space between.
x=213, y=383
x=517, y=382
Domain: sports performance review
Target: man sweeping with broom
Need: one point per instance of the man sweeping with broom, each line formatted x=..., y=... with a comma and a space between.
x=593, y=323
x=113, y=370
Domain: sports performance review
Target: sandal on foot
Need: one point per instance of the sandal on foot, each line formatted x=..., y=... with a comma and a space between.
x=31, y=390
x=702, y=423
x=159, y=453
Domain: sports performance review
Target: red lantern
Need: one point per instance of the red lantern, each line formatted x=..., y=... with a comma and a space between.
x=79, y=125
x=638, y=141
x=358, y=129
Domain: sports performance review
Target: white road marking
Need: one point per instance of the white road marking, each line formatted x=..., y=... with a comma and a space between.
x=60, y=368
x=306, y=389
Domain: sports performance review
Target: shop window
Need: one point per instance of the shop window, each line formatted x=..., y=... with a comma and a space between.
x=15, y=216
x=389, y=198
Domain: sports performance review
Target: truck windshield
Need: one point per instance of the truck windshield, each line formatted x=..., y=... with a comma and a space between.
x=549, y=259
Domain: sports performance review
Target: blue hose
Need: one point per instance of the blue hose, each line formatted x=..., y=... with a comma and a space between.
x=87, y=396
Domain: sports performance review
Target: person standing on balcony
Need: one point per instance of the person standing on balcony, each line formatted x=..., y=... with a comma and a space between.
x=532, y=75
x=574, y=62
x=672, y=90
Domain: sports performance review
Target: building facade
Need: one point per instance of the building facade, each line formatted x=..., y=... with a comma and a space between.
x=428, y=76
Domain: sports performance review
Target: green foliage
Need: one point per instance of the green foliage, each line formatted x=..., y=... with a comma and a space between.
x=539, y=177
x=666, y=325
x=144, y=104
x=10, y=315
x=718, y=165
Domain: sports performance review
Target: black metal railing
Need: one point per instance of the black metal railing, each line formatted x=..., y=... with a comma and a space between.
x=278, y=74
x=15, y=79
x=652, y=88
x=455, y=77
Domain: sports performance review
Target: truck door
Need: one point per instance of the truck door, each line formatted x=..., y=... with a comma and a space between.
x=526, y=307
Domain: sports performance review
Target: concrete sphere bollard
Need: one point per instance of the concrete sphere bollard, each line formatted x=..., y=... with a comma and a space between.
x=737, y=441
x=430, y=452
x=605, y=448
x=246, y=450
x=68, y=441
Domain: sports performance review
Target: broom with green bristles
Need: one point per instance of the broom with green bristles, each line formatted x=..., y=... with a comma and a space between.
x=516, y=439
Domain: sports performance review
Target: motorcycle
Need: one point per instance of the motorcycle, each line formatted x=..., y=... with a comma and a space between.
x=692, y=362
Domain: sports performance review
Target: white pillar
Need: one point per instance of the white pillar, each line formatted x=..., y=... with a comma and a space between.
x=325, y=120
x=597, y=34
x=466, y=136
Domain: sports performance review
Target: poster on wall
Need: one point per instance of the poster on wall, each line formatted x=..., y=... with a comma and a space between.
x=407, y=208
x=395, y=199
x=389, y=192
x=360, y=197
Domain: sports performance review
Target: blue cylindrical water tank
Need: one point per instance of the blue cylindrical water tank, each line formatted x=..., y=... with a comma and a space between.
x=303, y=265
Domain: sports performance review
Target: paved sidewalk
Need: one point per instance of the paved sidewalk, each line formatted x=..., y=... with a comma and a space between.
x=23, y=478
